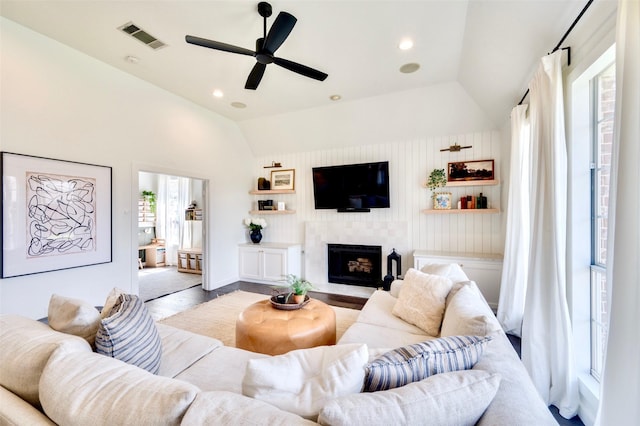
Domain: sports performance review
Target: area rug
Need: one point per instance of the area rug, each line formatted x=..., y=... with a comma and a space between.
x=217, y=318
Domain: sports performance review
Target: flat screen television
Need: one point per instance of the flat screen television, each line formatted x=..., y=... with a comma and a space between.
x=352, y=187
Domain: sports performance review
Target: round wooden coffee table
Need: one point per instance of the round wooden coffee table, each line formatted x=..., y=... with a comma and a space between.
x=265, y=329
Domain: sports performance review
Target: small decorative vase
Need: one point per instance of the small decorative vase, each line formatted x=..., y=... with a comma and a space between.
x=298, y=298
x=255, y=236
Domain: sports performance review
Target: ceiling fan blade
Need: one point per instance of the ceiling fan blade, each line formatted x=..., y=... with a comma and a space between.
x=255, y=76
x=279, y=31
x=198, y=41
x=300, y=69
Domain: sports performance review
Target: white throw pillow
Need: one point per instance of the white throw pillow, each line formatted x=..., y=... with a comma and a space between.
x=422, y=299
x=467, y=313
x=112, y=298
x=449, y=399
x=453, y=271
x=302, y=381
x=73, y=316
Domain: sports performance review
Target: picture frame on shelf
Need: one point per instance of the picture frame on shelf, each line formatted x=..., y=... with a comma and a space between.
x=56, y=214
x=283, y=179
x=470, y=170
x=442, y=201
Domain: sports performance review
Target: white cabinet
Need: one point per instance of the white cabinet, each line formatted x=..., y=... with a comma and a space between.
x=269, y=262
x=483, y=268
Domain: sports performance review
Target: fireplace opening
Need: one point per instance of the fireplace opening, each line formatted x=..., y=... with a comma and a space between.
x=355, y=264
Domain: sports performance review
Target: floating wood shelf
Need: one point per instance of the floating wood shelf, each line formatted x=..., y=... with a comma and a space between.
x=271, y=191
x=272, y=212
x=470, y=183
x=461, y=211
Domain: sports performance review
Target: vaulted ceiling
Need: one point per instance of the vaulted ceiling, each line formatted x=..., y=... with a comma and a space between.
x=489, y=48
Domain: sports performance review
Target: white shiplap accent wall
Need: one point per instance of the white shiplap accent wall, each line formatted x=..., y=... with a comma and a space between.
x=410, y=162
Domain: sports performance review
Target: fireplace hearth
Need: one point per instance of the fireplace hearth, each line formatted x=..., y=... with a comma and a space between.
x=355, y=264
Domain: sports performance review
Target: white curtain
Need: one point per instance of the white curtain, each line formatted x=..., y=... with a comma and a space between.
x=165, y=219
x=516, y=254
x=620, y=388
x=184, y=199
x=546, y=329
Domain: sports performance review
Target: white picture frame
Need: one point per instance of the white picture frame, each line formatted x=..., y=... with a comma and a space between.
x=56, y=214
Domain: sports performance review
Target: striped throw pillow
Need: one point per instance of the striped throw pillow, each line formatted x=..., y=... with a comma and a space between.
x=130, y=335
x=416, y=362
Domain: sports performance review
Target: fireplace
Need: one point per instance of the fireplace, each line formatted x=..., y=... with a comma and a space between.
x=355, y=264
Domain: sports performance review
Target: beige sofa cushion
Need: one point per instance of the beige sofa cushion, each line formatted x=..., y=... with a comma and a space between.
x=227, y=408
x=449, y=399
x=25, y=348
x=181, y=349
x=92, y=389
x=303, y=380
x=422, y=300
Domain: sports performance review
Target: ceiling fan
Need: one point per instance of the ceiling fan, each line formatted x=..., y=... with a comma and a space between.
x=266, y=46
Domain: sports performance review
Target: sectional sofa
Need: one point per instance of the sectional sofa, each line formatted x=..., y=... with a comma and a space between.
x=388, y=368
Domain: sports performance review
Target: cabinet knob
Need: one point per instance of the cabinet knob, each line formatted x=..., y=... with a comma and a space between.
x=461, y=265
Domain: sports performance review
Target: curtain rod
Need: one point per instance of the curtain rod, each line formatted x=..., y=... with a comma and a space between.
x=564, y=37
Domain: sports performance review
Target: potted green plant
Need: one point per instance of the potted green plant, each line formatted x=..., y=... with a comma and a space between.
x=150, y=196
x=437, y=179
x=298, y=287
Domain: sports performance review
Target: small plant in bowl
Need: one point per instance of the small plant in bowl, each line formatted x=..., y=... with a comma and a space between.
x=437, y=179
x=298, y=287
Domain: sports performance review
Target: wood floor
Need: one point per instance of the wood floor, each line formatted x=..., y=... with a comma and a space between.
x=173, y=303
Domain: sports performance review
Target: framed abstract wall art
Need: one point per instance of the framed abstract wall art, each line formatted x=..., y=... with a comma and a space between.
x=56, y=214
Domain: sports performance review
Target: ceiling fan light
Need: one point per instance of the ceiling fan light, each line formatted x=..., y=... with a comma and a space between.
x=405, y=44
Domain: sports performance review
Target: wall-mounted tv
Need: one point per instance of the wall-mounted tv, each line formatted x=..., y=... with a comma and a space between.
x=352, y=187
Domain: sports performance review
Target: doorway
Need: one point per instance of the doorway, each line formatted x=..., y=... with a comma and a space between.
x=170, y=233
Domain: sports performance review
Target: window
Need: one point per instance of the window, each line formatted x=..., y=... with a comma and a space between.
x=603, y=102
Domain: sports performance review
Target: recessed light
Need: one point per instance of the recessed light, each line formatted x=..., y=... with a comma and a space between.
x=238, y=105
x=405, y=44
x=217, y=93
x=132, y=59
x=409, y=68
x=335, y=97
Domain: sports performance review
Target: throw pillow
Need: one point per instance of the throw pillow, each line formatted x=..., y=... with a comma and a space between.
x=467, y=313
x=112, y=299
x=449, y=399
x=73, y=316
x=130, y=335
x=422, y=299
x=302, y=381
x=415, y=362
x=453, y=271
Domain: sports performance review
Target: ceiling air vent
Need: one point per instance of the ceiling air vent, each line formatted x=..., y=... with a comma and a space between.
x=136, y=32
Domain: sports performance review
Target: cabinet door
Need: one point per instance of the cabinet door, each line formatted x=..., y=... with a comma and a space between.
x=274, y=264
x=250, y=263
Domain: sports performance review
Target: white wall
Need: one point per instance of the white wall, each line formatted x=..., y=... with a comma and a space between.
x=59, y=103
x=410, y=162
